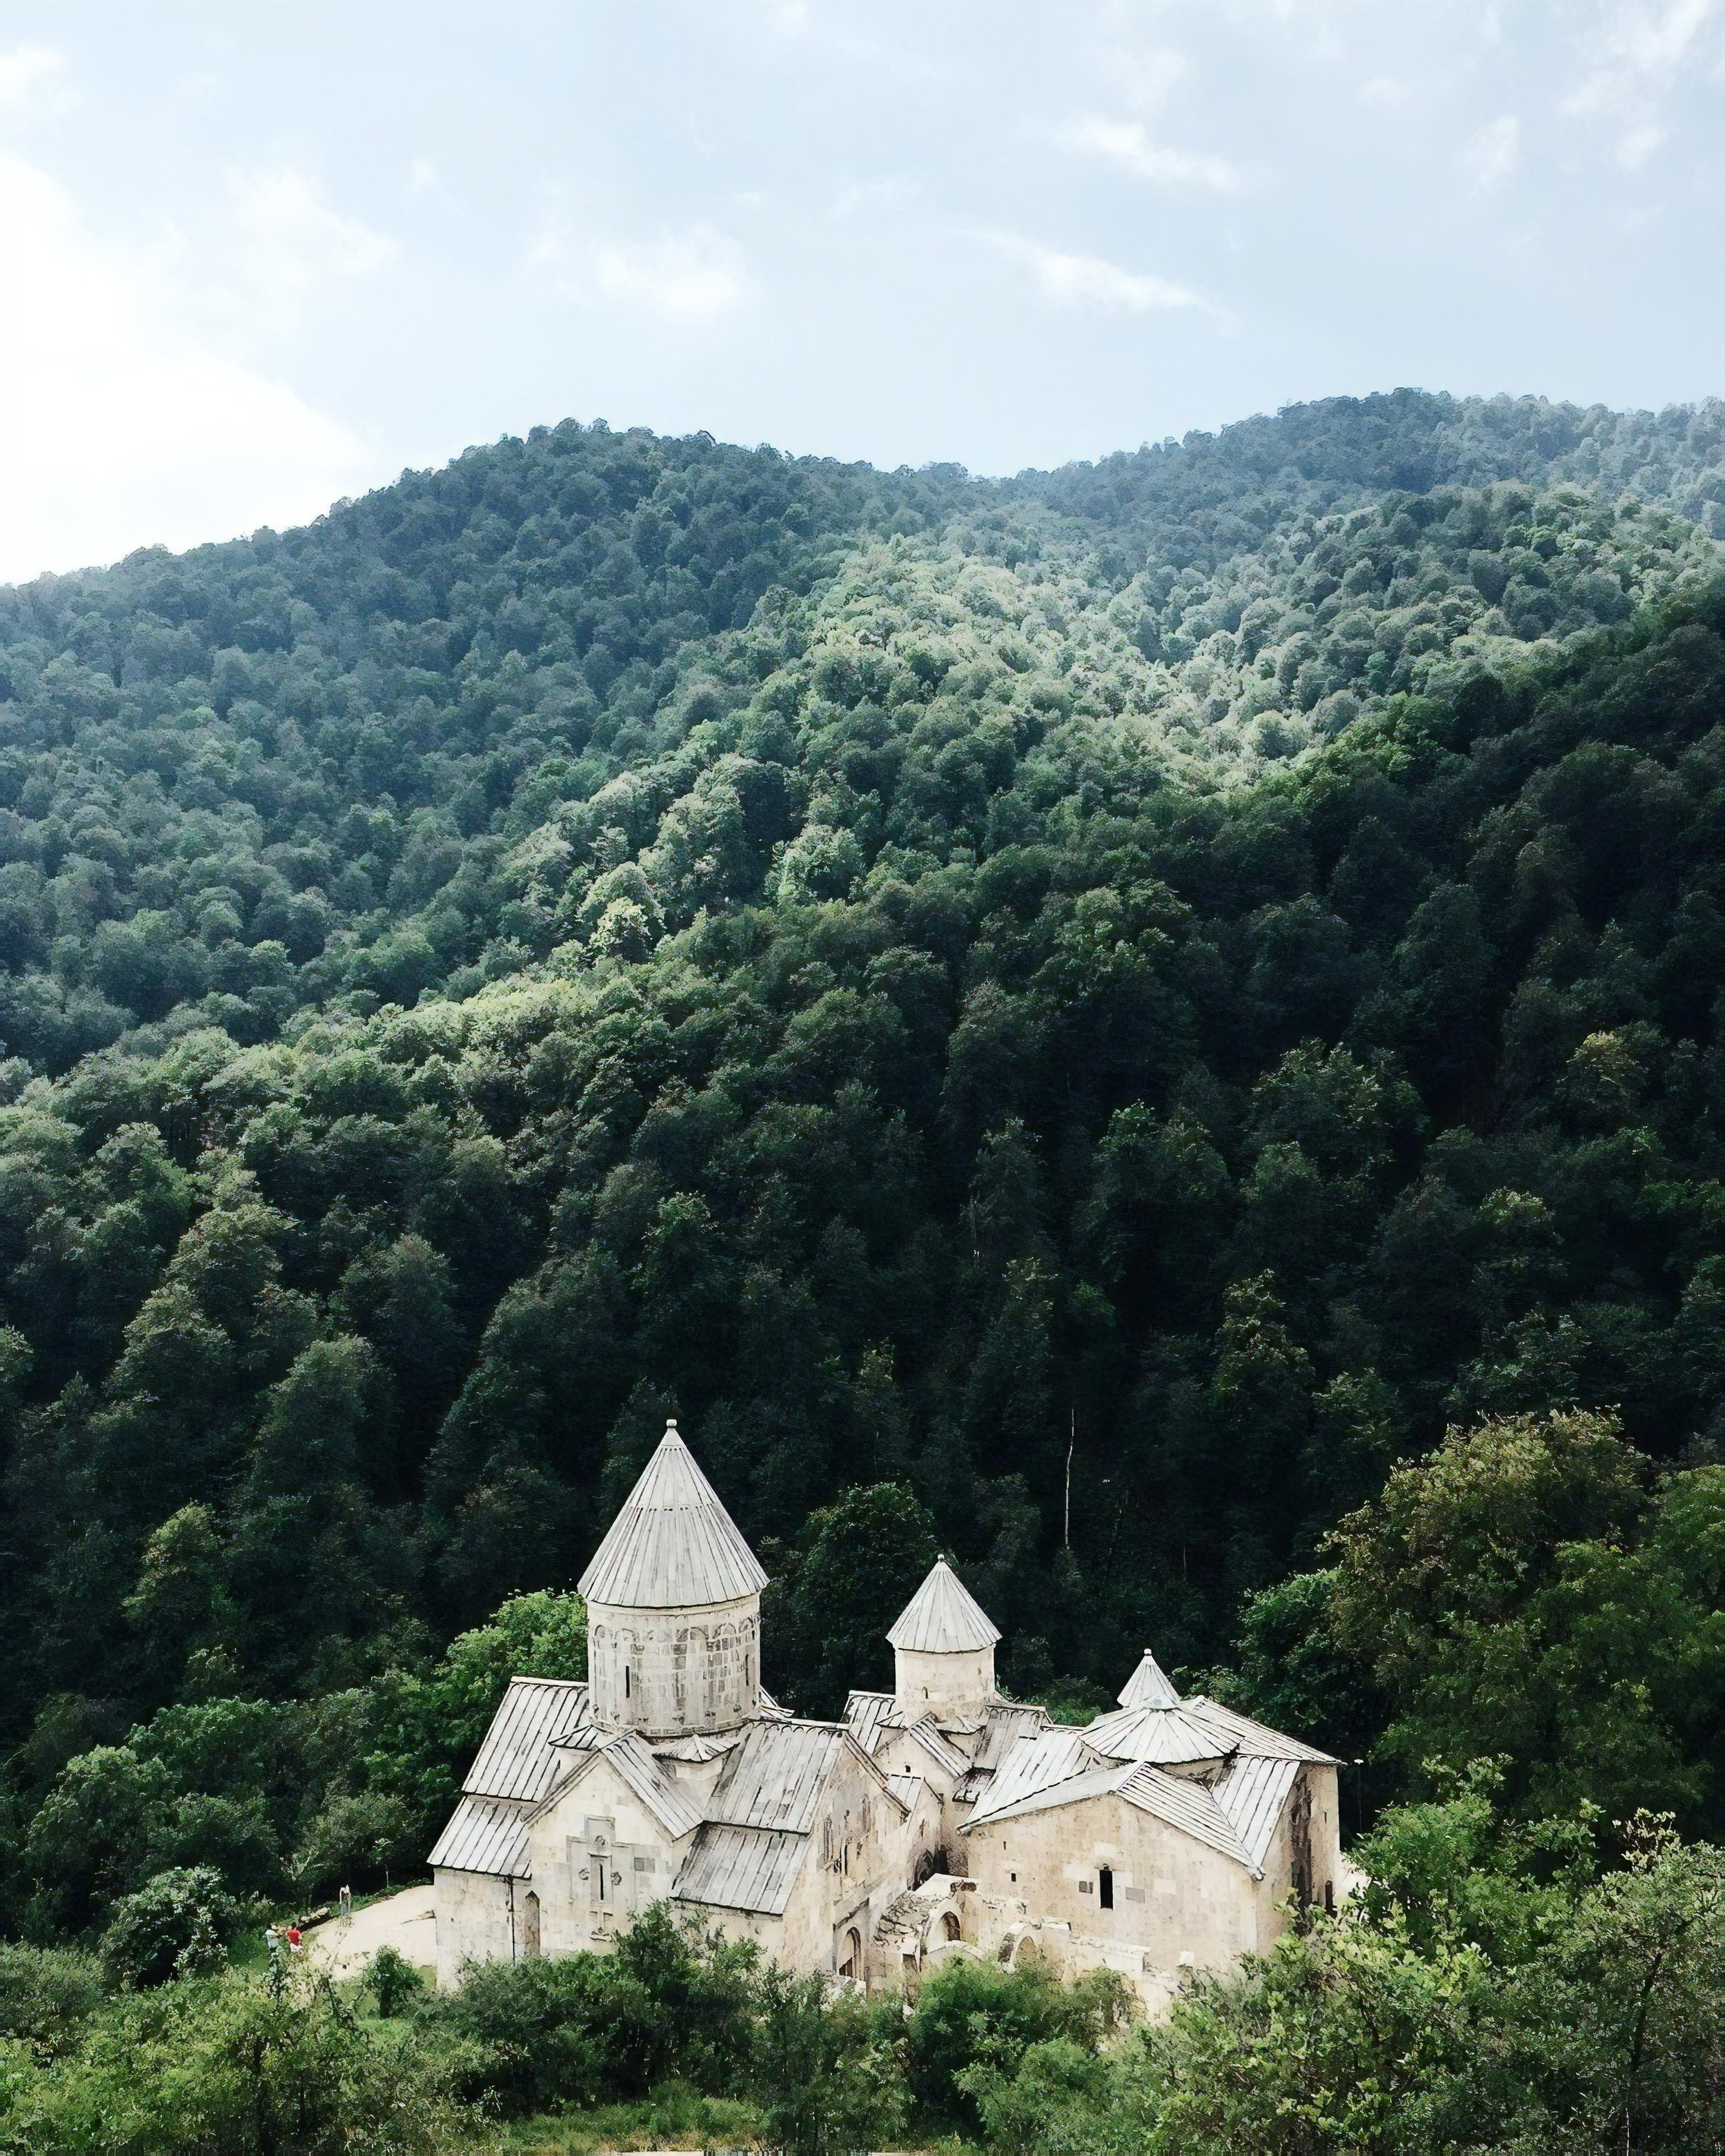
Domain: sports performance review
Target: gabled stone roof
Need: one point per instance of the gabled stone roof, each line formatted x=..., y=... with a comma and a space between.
x=943, y=1617
x=673, y=1546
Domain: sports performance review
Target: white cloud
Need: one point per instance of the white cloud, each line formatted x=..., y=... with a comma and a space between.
x=1145, y=79
x=1088, y=280
x=691, y=277
x=1490, y=155
x=1633, y=47
x=24, y=70
x=1126, y=145
x=879, y=197
x=286, y=243
x=119, y=428
x=422, y=176
x=1631, y=58
x=1638, y=145
x=1386, y=92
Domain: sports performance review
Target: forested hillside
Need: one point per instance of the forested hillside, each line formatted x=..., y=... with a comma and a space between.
x=1082, y=1019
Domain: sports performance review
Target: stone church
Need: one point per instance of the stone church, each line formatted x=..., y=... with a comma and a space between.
x=938, y=1818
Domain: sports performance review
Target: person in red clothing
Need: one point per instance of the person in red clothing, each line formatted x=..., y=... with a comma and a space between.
x=293, y=1937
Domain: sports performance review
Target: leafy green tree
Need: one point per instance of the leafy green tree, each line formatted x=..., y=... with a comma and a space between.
x=393, y=1983
x=973, y=2013
x=47, y=1998
x=91, y=1843
x=181, y=1605
x=824, y=2072
x=862, y=1560
x=430, y=1726
x=1518, y=1592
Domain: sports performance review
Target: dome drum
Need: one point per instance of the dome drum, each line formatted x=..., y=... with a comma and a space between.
x=665, y=1673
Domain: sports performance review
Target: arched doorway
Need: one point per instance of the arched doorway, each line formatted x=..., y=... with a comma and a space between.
x=851, y=1964
x=530, y=1927
x=949, y=1927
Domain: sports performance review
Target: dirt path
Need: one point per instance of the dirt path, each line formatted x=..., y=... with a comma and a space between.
x=404, y=1921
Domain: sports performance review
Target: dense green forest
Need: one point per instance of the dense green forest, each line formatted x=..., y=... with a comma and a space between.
x=1085, y=1021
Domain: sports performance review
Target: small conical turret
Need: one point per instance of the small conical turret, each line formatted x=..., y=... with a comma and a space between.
x=943, y=1649
x=1148, y=1686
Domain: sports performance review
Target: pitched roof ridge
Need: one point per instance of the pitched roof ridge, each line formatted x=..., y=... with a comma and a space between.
x=1202, y=1707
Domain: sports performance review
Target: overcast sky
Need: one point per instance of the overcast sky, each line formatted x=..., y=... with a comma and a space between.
x=257, y=255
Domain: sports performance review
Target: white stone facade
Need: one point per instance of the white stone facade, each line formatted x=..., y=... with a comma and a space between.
x=937, y=1818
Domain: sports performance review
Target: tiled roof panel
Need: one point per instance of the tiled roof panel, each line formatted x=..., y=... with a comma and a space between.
x=1183, y=1804
x=1252, y=1793
x=484, y=1834
x=517, y=1760
x=773, y=1779
x=945, y=1754
x=1165, y=1734
x=1004, y=1723
x=1255, y=1739
x=1188, y=1805
x=1033, y=1764
x=670, y=1805
x=864, y=1717
x=740, y=1867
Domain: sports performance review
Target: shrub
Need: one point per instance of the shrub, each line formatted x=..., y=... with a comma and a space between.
x=531, y=2034
x=972, y=2012
x=826, y=2075
x=176, y=1926
x=46, y=1998
x=228, y=2069
x=393, y=1981
x=670, y=2002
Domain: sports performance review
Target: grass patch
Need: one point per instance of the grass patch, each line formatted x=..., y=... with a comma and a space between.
x=673, y=2115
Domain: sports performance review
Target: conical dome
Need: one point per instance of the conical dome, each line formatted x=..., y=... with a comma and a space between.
x=673, y=1546
x=1147, y=1685
x=943, y=1617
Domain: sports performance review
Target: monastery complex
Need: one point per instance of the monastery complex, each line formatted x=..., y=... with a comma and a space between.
x=934, y=1819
